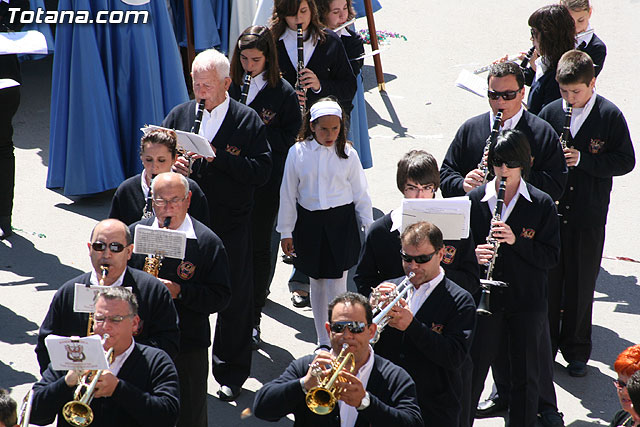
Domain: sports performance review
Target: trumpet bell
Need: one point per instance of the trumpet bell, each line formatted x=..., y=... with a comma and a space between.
x=321, y=401
x=77, y=413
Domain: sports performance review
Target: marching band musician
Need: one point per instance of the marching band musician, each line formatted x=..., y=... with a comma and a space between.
x=599, y=148
x=586, y=40
x=530, y=246
x=273, y=98
x=459, y=173
x=140, y=388
x=158, y=152
x=417, y=177
x=429, y=333
x=111, y=246
x=376, y=393
x=8, y=414
x=242, y=162
x=199, y=286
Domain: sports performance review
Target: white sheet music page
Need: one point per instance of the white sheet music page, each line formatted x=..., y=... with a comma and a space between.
x=75, y=353
x=159, y=241
x=23, y=42
x=451, y=216
x=189, y=141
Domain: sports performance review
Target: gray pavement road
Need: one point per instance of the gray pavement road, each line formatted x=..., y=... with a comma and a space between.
x=421, y=109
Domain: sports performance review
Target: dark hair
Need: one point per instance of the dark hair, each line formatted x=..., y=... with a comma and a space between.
x=628, y=362
x=416, y=234
x=575, y=67
x=503, y=69
x=511, y=145
x=418, y=166
x=127, y=232
x=352, y=298
x=8, y=415
x=284, y=8
x=576, y=5
x=341, y=141
x=261, y=38
x=120, y=293
x=165, y=137
x=633, y=388
x=556, y=31
x=325, y=5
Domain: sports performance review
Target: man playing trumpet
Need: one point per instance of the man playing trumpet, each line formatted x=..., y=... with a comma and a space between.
x=140, y=388
x=377, y=393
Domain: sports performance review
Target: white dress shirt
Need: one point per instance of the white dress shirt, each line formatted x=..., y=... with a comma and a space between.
x=317, y=179
x=118, y=361
x=585, y=38
x=290, y=40
x=186, y=227
x=96, y=282
x=349, y=414
x=491, y=197
x=508, y=124
x=257, y=84
x=211, y=121
x=420, y=295
x=143, y=184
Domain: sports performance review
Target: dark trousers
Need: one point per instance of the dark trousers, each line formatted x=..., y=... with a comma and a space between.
x=265, y=209
x=466, y=412
x=522, y=333
x=500, y=369
x=9, y=102
x=571, y=286
x=232, y=341
x=193, y=371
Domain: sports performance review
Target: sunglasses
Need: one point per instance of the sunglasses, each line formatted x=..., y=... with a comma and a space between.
x=420, y=259
x=354, y=327
x=114, y=247
x=507, y=95
x=511, y=164
x=619, y=383
x=100, y=319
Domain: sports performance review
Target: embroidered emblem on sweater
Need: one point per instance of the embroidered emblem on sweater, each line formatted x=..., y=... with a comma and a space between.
x=449, y=254
x=437, y=328
x=267, y=116
x=233, y=150
x=528, y=233
x=186, y=270
x=595, y=146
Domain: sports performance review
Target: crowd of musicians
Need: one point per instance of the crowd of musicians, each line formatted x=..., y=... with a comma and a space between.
x=537, y=169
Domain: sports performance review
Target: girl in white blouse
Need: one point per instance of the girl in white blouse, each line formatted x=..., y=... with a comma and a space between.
x=323, y=195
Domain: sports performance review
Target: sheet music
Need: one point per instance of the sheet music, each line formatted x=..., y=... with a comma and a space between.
x=473, y=83
x=7, y=83
x=23, y=42
x=84, y=297
x=451, y=216
x=188, y=140
x=75, y=353
x=159, y=241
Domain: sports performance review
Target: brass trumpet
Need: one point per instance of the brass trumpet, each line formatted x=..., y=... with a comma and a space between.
x=381, y=311
x=77, y=412
x=25, y=410
x=322, y=398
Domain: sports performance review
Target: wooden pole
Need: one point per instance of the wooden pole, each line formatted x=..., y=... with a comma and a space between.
x=373, y=36
x=188, y=18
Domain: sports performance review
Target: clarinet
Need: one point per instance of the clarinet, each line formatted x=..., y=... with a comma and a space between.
x=246, y=82
x=299, y=87
x=483, y=305
x=527, y=58
x=566, y=130
x=483, y=166
x=147, y=212
x=198, y=121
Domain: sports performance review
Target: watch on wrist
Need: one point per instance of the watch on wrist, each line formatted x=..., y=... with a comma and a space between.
x=366, y=401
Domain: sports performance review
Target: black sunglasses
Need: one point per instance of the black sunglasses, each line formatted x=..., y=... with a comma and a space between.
x=511, y=164
x=420, y=259
x=114, y=247
x=507, y=95
x=619, y=383
x=354, y=327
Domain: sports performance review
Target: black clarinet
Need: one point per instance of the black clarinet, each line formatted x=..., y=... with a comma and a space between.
x=484, y=304
x=198, y=121
x=483, y=166
x=147, y=212
x=566, y=130
x=527, y=58
x=300, y=39
x=246, y=82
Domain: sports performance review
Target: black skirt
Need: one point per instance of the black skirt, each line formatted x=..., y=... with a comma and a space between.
x=326, y=242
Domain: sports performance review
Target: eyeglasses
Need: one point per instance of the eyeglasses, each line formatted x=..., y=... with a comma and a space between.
x=409, y=188
x=507, y=95
x=163, y=202
x=114, y=247
x=100, y=319
x=420, y=259
x=354, y=327
x=619, y=384
x=511, y=164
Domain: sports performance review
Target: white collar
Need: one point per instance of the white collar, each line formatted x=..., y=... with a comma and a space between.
x=510, y=123
x=490, y=190
x=586, y=39
x=259, y=81
x=93, y=279
x=218, y=109
x=342, y=32
x=396, y=218
x=433, y=282
x=143, y=184
x=118, y=361
x=186, y=227
x=315, y=145
x=579, y=115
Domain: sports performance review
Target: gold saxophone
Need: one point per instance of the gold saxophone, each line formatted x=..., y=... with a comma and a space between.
x=152, y=263
x=104, y=269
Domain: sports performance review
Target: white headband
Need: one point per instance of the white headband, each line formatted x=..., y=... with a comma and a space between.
x=325, y=108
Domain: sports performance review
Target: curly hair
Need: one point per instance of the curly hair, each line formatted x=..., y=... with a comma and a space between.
x=628, y=361
x=556, y=32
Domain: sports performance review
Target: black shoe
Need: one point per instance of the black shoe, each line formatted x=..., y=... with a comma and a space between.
x=255, y=338
x=490, y=407
x=228, y=393
x=552, y=419
x=577, y=369
x=5, y=227
x=300, y=301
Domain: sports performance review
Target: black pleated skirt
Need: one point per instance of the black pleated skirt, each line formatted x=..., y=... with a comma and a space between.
x=326, y=242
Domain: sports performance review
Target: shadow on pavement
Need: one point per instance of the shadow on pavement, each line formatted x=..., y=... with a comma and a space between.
x=227, y=414
x=288, y=317
x=95, y=206
x=11, y=377
x=17, y=333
